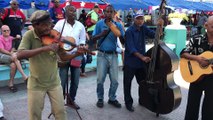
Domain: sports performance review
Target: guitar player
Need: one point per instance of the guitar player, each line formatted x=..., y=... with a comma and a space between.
x=197, y=45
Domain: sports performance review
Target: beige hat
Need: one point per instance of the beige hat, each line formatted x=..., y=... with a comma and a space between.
x=40, y=16
x=56, y=0
x=13, y=1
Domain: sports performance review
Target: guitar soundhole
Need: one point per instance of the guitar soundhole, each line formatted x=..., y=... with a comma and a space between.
x=190, y=68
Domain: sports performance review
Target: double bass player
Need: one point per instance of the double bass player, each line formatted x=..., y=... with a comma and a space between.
x=135, y=59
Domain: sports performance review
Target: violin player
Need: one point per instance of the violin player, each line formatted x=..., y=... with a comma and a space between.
x=44, y=78
x=74, y=29
x=201, y=44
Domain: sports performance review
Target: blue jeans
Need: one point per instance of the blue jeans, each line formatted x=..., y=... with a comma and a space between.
x=74, y=77
x=107, y=63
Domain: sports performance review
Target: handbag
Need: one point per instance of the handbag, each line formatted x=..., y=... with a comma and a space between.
x=88, y=21
x=75, y=63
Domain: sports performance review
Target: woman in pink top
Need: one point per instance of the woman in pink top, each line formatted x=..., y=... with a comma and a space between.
x=8, y=56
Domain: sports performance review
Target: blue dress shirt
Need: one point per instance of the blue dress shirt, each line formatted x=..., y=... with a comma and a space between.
x=110, y=42
x=135, y=42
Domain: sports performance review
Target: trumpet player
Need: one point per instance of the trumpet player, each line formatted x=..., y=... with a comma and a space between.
x=106, y=33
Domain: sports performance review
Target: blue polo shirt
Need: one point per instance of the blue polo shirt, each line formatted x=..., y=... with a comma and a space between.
x=135, y=42
x=110, y=42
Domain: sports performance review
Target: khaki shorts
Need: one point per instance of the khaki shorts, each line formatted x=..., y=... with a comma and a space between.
x=6, y=59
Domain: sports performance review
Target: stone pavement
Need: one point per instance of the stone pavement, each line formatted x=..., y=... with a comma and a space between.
x=16, y=103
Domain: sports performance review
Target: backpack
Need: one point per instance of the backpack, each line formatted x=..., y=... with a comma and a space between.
x=88, y=21
x=5, y=21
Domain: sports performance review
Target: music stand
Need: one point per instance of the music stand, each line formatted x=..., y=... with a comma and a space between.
x=68, y=100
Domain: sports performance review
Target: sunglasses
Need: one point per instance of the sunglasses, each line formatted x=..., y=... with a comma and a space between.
x=15, y=4
x=6, y=30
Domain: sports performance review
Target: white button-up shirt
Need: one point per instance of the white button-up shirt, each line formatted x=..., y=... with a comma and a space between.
x=77, y=31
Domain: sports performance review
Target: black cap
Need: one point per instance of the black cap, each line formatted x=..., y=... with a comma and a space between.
x=96, y=6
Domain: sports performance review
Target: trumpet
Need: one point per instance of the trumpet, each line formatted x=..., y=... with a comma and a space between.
x=114, y=29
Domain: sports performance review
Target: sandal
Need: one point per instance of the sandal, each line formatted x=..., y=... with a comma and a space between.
x=12, y=89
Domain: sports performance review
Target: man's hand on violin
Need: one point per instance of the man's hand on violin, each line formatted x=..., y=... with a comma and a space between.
x=52, y=47
x=81, y=50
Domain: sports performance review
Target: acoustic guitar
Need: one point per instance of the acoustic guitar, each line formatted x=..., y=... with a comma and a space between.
x=192, y=71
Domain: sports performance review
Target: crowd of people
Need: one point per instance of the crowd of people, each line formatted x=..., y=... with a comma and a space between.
x=104, y=35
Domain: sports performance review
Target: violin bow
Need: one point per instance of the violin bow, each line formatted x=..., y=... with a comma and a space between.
x=62, y=28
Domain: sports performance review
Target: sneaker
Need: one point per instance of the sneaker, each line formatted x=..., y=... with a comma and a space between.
x=75, y=106
x=2, y=118
x=114, y=103
x=72, y=104
x=83, y=75
x=130, y=108
x=100, y=103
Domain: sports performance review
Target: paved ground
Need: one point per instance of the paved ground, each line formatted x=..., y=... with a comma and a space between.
x=16, y=103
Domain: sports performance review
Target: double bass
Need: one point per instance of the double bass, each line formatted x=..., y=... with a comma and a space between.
x=158, y=92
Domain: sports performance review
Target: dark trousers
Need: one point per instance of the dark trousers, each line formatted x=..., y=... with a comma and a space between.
x=194, y=98
x=92, y=44
x=129, y=73
x=83, y=64
x=199, y=28
x=16, y=44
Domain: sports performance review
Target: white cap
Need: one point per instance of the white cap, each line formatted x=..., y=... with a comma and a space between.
x=139, y=13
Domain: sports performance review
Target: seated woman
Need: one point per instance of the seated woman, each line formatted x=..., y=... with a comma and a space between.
x=8, y=56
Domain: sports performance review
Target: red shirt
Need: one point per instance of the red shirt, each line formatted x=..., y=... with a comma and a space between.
x=18, y=14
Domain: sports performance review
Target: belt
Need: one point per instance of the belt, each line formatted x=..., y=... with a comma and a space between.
x=108, y=52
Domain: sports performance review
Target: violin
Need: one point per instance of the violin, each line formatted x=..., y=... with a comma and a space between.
x=66, y=44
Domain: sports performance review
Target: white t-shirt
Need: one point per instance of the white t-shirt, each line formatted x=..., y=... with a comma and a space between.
x=77, y=31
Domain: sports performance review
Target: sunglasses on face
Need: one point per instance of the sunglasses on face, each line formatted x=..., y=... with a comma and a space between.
x=6, y=30
x=15, y=4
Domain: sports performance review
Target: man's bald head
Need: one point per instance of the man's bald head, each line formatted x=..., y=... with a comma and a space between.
x=5, y=27
x=209, y=22
x=209, y=27
x=5, y=31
